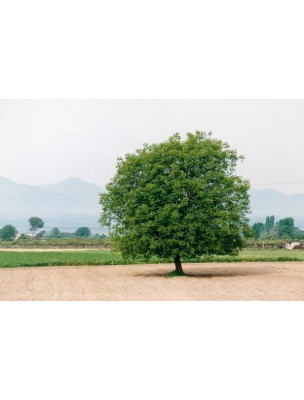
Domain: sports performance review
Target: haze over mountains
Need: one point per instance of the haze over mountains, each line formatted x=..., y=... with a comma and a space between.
x=74, y=202
x=67, y=205
x=272, y=202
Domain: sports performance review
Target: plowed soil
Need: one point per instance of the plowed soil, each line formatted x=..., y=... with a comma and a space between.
x=222, y=281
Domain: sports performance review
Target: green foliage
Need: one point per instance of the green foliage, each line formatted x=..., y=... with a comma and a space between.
x=67, y=235
x=273, y=243
x=97, y=235
x=248, y=231
x=258, y=229
x=23, y=237
x=266, y=226
x=80, y=242
x=298, y=234
x=8, y=232
x=271, y=222
x=83, y=232
x=286, y=228
x=55, y=233
x=177, y=198
x=35, y=224
x=40, y=235
x=52, y=258
x=269, y=225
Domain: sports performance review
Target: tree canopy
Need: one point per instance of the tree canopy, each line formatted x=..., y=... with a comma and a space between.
x=35, y=224
x=283, y=229
x=286, y=228
x=8, y=232
x=83, y=232
x=55, y=233
x=258, y=229
x=177, y=199
x=269, y=224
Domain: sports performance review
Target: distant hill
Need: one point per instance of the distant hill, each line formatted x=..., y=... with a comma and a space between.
x=272, y=202
x=67, y=204
x=74, y=202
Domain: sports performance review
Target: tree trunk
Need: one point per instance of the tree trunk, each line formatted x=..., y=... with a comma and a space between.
x=178, y=265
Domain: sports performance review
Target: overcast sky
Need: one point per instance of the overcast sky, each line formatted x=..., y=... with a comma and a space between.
x=46, y=141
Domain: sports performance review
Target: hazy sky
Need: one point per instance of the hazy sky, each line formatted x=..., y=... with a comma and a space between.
x=45, y=141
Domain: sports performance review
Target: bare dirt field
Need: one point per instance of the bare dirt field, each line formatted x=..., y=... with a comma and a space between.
x=221, y=281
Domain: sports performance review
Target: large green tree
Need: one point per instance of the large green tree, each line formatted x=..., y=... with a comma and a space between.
x=177, y=199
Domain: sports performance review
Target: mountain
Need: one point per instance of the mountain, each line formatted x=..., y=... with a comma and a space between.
x=74, y=202
x=5, y=181
x=272, y=202
x=67, y=204
x=81, y=192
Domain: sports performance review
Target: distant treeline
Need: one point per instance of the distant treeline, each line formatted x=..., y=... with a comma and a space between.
x=83, y=231
x=283, y=229
x=9, y=232
x=64, y=243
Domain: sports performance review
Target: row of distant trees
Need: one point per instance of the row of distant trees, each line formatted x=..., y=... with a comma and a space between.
x=283, y=229
x=83, y=231
x=9, y=232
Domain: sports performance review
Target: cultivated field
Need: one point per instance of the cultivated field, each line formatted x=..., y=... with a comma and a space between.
x=99, y=275
x=209, y=281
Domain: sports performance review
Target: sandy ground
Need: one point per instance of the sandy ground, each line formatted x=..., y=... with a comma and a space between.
x=239, y=281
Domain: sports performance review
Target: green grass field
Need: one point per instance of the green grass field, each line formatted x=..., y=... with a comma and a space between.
x=56, y=243
x=104, y=257
x=51, y=258
x=252, y=255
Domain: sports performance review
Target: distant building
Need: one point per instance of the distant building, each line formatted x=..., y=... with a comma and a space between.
x=291, y=245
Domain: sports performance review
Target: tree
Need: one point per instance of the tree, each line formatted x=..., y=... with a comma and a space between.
x=40, y=235
x=8, y=232
x=23, y=236
x=266, y=226
x=298, y=234
x=83, y=232
x=35, y=224
x=66, y=235
x=286, y=228
x=248, y=231
x=55, y=233
x=177, y=199
x=258, y=229
x=269, y=224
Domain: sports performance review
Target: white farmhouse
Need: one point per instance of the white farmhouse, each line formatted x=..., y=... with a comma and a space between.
x=291, y=245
